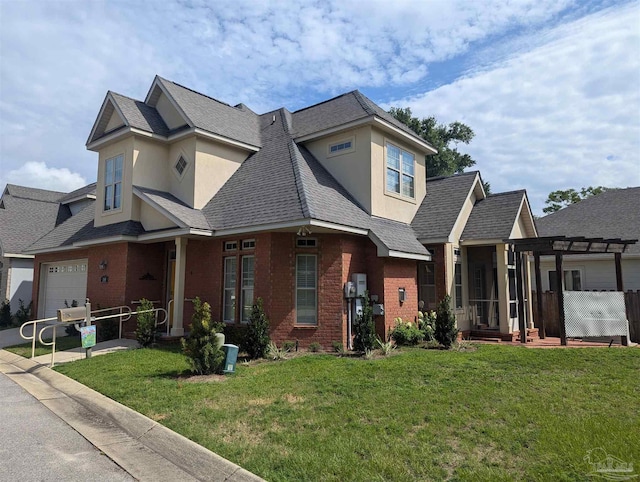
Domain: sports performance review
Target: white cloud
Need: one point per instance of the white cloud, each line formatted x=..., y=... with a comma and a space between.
x=565, y=114
x=38, y=174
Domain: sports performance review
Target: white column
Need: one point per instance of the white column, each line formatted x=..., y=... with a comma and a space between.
x=527, y=290
x=503, y=288
x=178, y=293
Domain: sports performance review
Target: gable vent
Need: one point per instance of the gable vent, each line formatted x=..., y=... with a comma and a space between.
x=181, y=165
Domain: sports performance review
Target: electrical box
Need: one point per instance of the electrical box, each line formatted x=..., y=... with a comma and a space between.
x=360, y=280
x=378, y=310
x=358, y=306
x=349, y=290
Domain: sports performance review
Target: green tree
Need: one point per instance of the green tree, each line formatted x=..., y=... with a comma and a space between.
x=364, y=329
x=203, y=348
x=562, y=198
x=256, y=340
x=445, y=138
x=445, y=331
x=146, y=324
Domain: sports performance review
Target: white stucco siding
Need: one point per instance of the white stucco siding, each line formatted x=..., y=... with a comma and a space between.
x=596, y=274
x=21, y=282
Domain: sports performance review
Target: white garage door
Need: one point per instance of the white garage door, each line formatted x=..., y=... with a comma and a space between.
x=65, y=281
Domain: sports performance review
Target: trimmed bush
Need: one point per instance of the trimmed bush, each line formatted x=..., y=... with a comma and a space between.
x=315, y=347
x=146, y=324
x=445, y=331
x=202, y=347
x=406, y=333
x=364, y=328
x=257, y=339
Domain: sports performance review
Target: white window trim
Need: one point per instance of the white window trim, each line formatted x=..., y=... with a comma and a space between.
x=306, y=325
x=225, y=289
x=457, y=301
x=121, y=182
x=246, y=248
x=340, y=152
x=242, y=287
x=233, y=246
x=399, y=195
x=298, y=245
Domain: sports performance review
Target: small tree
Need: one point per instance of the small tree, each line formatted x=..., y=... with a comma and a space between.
x=202, y=349
x=146, y=324
x=5, y=314
x=445, y=331
x=364, y=329
x=256, y=340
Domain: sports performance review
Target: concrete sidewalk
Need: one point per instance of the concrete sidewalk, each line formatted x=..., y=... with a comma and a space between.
x=141, y=446
x=102, y=348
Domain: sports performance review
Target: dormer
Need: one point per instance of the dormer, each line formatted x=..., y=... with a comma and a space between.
x=377, y=159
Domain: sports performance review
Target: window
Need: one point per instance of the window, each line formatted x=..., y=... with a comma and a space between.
x=427, y=280
x=113, y=183
x=229, y=310
x=306, y=242
x=572, y=280
x=230, y=246
x=458, y=284
x=306, y=290
x=249, y=244
x=400, y=171
x=341, y=147
x=247, y=288
x=181, y=165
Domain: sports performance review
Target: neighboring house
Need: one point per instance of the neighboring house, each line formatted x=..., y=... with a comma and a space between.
x=26, y=214
x=612, y=214
x=200, y=198
x=466, y=230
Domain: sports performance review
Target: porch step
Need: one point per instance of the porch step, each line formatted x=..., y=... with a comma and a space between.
x=489, y=335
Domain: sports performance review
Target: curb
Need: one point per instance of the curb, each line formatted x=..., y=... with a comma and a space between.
x=141, y=446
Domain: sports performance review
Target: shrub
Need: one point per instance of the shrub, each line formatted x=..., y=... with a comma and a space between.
x=288, y=345
x=445, y=331
x=257, y=338
x=315, y=347
x=23, y=314
x=337, y=346
x=364, y=328
x=146, y=324
x=234, y=334
x=5, y=314
x=108, y=329
x=275, y=353
x=202, y=348
x=70, y=329
x=406, y=333
x=385, y=347
x=426, y=323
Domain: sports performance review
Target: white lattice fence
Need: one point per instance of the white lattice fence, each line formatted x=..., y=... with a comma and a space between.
x=588, y=313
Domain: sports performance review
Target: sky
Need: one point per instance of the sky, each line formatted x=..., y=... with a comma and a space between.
x=551, y=88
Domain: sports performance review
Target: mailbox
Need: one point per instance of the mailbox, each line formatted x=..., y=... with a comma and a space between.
x=69, y=315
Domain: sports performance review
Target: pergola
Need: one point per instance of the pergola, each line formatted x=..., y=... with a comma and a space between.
x=558, y=246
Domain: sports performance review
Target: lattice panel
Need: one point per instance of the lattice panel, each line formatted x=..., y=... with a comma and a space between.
x=589, y=313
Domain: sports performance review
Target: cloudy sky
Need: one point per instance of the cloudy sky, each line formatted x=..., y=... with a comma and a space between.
x=550, y=87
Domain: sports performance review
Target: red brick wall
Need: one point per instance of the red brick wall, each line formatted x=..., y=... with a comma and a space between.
x=400, y=273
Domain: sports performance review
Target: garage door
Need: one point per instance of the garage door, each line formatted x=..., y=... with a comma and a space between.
x=62, y=282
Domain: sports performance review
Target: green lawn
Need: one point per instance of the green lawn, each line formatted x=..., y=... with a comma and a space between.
x=497, y=413
x=62, y=343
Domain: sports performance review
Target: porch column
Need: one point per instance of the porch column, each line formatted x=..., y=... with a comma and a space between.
x=503, y=287
x=178, y=293
x=528, y=291
x=620, y=287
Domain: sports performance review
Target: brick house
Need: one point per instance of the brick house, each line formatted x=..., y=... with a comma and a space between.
x=196, y=197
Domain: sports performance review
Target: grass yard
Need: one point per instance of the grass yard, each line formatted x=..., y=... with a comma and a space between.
x=497, y=413
x=62, y=343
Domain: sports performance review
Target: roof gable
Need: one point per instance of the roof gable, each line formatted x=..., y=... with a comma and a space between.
x=497, y=217
x=440, y=210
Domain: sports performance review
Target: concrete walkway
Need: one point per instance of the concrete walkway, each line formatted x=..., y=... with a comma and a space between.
x=141, y=446
x=102, y=348
x=12, y=336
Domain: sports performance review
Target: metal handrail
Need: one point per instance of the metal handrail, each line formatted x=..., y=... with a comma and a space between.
x=53, y=340
x=33, y=337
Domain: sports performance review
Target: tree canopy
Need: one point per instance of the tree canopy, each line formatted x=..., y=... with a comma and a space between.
x=445, y=138
x=562, y=198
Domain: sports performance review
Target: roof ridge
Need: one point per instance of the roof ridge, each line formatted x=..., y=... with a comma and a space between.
x=324, y=102
x=128, y=97
x=361, y=98
x=297, y=176
x=457, y=174
x=515, y=191
x=206, y=96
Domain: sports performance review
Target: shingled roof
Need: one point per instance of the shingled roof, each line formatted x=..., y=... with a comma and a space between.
x=494, y=216
x=440, y=208
x=614, y=213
